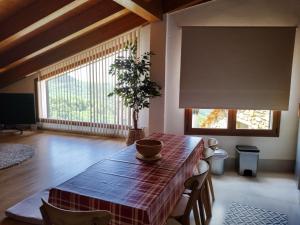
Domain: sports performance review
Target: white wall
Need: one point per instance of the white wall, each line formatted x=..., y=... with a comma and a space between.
x=144, y=47
x=235, y=13
x=25, y=85
x=153, y=38
x=158, y=47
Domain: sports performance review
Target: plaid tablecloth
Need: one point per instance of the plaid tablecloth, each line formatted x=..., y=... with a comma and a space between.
x=135, y=192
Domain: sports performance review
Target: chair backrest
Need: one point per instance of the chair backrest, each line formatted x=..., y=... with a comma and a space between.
x=194, y=184
x=55, y=216
x=201, y=167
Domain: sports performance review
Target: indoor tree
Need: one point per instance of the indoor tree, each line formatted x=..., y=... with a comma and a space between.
x=133, y=84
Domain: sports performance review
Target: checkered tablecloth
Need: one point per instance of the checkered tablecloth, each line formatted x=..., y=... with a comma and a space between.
x=135, y=192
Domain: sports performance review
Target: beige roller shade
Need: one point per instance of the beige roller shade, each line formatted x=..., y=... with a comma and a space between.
x=236, y=67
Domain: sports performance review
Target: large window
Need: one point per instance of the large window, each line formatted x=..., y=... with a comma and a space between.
x=73, y=94
x=79, y=95
x=232, y=122
x=79, y=98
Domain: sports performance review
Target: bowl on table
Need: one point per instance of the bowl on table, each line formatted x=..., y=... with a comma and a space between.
x=148, y=149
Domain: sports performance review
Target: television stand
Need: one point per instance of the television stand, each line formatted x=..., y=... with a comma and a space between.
x=12, y=128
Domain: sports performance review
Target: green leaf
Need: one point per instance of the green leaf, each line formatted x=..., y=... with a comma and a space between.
x=133, y=84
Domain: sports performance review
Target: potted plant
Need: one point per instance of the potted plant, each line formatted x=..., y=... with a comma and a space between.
x=134, y=85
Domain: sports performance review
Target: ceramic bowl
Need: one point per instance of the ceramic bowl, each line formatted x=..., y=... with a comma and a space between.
x=148, y=147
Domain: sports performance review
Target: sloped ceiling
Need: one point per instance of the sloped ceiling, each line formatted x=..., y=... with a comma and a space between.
x=38, y=33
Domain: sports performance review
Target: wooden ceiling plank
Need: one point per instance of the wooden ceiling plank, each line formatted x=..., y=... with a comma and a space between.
x=72, y=47
x=34, y=19
x=150, y=10
x=8, y=8
x=66, y=39
x=170, y=6
x=95, y=16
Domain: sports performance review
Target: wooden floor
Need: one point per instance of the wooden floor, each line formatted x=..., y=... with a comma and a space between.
x=58, y=157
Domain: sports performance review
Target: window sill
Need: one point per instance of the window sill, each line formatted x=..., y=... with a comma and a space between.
x=224, y=132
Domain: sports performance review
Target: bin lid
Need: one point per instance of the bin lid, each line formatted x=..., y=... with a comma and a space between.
x=247, y=148
x=220, y=153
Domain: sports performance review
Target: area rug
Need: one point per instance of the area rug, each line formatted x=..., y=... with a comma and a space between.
x=13, y=154
x=239, y=214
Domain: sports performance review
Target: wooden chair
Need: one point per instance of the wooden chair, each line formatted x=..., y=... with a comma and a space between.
x=207, y=192
x=188, y=203
x=204, y=201
x=55, y=216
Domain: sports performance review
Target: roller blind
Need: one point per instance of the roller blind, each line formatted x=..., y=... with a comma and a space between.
x=236, y=67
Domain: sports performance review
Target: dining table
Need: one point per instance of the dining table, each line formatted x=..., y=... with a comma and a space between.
x=136, y=192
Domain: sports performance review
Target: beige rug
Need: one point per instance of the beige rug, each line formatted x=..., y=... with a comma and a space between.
x=14, y=154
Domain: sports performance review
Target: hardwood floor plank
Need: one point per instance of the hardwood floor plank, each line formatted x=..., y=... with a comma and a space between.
x=58, y=157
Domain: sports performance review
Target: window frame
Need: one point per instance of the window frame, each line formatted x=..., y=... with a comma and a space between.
x=231, y=127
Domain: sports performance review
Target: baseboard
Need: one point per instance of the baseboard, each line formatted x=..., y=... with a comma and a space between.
x=266, y=165
x=229, y=164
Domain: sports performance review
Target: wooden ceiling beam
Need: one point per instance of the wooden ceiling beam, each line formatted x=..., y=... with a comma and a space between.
x=9, y=8
x=173, y=5
x=33, y=17
x=72, y=47
x=150, y=10
x=95, y=16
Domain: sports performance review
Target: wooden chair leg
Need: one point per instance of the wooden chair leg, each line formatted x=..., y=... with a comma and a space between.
x=206, y=201
x=196, y=214
x=209, y=214
x=211, y=186
x=201, y=209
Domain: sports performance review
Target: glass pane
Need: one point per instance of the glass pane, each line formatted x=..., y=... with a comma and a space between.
x=65, y=102
x=254, y=119
x=210, y=118
x=81, y=95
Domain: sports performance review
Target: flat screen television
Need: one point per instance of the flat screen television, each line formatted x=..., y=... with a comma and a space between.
x=17, y=109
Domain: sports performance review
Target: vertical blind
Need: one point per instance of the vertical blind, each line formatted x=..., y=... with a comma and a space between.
x=73, y=93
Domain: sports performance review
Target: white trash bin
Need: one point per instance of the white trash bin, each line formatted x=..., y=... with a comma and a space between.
x=247, y=160
x=217, y=161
